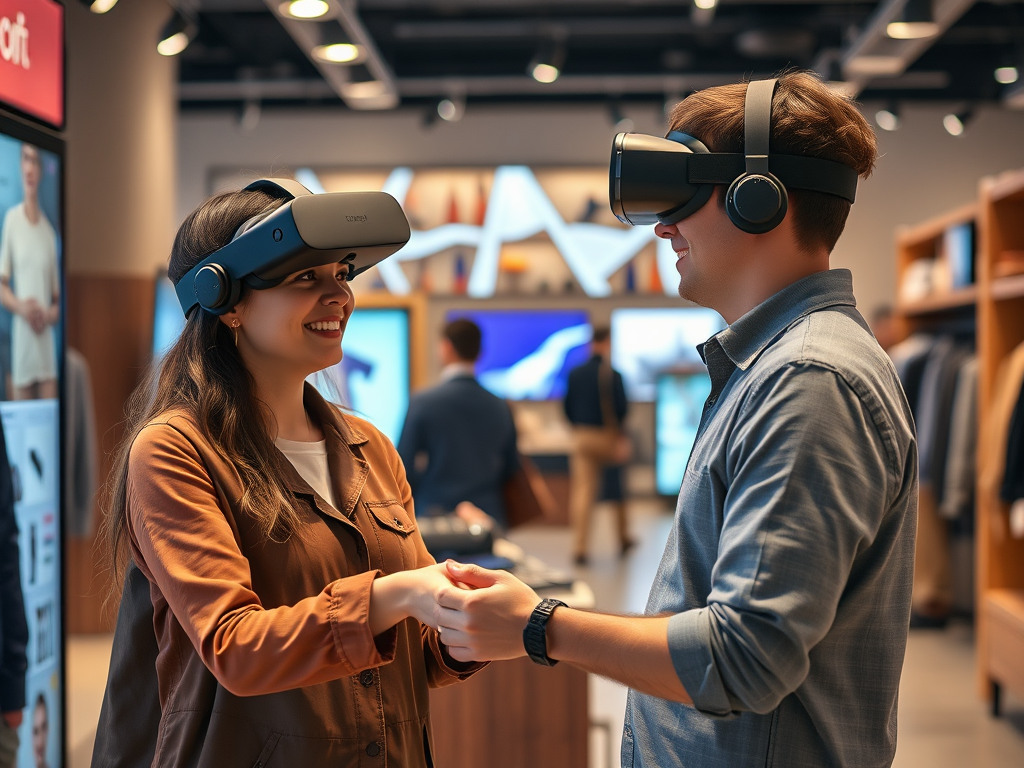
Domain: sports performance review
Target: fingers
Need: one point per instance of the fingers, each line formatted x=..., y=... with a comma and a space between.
x=473, y=575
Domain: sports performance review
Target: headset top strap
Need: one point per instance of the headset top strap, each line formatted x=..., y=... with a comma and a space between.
x=290, y=187
x=757, y=124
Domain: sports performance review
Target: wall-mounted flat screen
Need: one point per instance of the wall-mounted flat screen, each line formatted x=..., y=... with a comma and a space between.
x=647, y=342
x=372, y=379
x=677, y=407
x=168, y=319
x=527, y=354
x=31, y=344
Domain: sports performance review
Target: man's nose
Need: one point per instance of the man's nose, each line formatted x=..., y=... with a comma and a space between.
x=666, y=231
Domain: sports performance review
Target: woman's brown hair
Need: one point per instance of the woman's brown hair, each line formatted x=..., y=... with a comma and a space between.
x=203, y=375
x=808, y=118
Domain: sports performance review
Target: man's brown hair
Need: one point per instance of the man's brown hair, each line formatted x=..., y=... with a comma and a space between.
x=808, y=118
x=465, y=337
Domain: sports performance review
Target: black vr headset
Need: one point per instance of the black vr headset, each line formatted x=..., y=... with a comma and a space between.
x=358, y=228
x=654, y=180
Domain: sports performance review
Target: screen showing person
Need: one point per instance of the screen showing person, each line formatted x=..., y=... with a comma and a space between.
x=647, y=342
x=29, y=271
x=526, y=354
x=31, y=330
x=677, y=410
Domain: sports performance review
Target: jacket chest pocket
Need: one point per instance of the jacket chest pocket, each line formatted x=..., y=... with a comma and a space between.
x=393, y=531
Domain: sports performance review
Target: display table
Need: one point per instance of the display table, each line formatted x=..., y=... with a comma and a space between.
x=516, y=713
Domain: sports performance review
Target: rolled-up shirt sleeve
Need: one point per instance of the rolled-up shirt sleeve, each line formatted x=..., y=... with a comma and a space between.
x=184, y=544
x=810, y=473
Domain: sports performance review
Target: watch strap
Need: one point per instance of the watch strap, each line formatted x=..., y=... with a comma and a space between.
x=535, y=639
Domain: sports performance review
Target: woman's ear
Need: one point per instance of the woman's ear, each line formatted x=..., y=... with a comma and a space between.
x=231, y=319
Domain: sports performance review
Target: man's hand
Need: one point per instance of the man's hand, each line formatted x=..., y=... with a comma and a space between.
x=13, y=719
x=472, y=514
x=484, y=620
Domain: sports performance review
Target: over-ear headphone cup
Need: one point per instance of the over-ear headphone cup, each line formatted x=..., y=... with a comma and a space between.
x=215, y=291
x=756, y=203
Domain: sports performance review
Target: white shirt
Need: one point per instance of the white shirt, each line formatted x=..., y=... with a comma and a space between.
x=310, y=461
x=28, y=261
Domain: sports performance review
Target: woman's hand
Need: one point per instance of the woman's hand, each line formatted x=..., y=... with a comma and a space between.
x=398, y=596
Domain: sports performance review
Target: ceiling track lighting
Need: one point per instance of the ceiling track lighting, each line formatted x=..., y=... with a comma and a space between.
x=176, y=34
x=956, y=123
x=99, y=6
x=340, y=53
x=1007, y=75
x=915, y=22
x=304, y=10
x=888, y=118
x=452, y=108
x=546, y=66
x=705, y=5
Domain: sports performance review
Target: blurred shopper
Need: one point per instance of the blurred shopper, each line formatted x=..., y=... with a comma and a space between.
x=278, y=538
x=595, y=404
x=777, y=623
x=13, y=626
x=459, y=440
x=28, y=262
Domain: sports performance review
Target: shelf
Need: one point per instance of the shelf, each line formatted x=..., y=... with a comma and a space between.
x=1007, y=186
x=961, y=298
x=1011, y=287
x=933, y=229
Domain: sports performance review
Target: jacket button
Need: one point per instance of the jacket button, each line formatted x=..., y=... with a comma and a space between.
x=366, y=678
x=398, y=522
x=373, y=749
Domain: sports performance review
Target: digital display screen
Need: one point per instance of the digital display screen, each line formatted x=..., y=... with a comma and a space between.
x=647, y=342
x=372, y=379
x=677, y=411
x=30, y=353
x=168, y=319
x=527, y=354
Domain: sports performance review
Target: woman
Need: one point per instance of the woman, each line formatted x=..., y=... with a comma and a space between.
x=290, y=587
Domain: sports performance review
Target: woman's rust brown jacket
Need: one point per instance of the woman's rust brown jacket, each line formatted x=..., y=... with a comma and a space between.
x=265, y=656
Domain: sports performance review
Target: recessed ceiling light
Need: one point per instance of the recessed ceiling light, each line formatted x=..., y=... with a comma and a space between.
x=914, y=22
x=339, y=53
x=705, y=5
x=888, y=119
x=101, y=6
x=1007, y=75
x=304, y=9
x=545, y=73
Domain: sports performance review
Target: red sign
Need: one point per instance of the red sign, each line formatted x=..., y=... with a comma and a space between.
x=32, y=58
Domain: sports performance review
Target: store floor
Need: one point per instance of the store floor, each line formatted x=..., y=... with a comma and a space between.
x=942, y=722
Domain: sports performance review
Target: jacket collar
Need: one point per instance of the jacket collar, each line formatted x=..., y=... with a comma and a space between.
x=747, y=338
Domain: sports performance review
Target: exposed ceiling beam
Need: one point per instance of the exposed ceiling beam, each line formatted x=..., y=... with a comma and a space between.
x=379, y=93
x=874, y=48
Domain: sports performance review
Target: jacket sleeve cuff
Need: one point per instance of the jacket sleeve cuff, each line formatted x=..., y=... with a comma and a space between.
x=456, y=670
x=690, y=645
x=350, y=624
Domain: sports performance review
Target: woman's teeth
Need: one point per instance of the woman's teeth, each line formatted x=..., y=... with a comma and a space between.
x=329, y=325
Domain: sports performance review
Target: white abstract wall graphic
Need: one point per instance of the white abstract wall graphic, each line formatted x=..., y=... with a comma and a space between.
x=518, y=208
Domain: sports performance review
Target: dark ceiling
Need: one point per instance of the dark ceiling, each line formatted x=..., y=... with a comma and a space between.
x=622, y=52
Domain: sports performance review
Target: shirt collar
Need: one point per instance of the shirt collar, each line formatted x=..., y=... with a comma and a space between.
x=458, y=370
x=746, y=338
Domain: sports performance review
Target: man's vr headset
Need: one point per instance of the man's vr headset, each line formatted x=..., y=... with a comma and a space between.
x=654, y=180
x=358, y=228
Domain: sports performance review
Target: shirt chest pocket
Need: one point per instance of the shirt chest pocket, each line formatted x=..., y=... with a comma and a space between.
x=394, y=530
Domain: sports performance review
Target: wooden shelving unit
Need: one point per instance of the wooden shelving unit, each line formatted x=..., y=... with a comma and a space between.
x=1000, y=557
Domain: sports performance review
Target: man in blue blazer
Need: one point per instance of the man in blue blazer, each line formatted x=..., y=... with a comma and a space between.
x=459, y=441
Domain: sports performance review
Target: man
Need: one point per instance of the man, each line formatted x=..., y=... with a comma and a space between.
x=777, y=623
x=13, y=626
x=459, y=441
x=28, y=259
x=595, y=404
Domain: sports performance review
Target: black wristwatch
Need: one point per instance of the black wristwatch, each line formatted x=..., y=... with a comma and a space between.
x=535, y=636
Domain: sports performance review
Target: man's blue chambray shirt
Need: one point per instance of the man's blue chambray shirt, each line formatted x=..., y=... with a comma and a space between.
x=788, y=571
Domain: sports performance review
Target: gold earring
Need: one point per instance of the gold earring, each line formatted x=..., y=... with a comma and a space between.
x=234, y=330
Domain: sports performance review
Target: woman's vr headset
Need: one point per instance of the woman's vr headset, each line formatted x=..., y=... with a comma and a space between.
x=655, y=180
x=358, y=228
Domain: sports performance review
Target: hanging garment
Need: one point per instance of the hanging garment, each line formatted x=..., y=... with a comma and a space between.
x=1013, y=471
x=961, y=464
x=909, y=357
x=81, y=452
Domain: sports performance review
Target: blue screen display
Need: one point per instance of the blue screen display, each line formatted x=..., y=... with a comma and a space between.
x=677, y=410
x=527, y=354
x=647, y=342
x=168, y=319
x=372, y=380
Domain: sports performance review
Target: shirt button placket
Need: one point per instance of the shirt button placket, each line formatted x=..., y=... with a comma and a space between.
x=373, y=749
x=367, y=677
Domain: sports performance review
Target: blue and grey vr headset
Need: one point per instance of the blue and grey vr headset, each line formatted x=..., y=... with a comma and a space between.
x=654, y=180
x=358, y=228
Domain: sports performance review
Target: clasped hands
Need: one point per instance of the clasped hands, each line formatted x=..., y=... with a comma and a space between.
x=479, y=614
